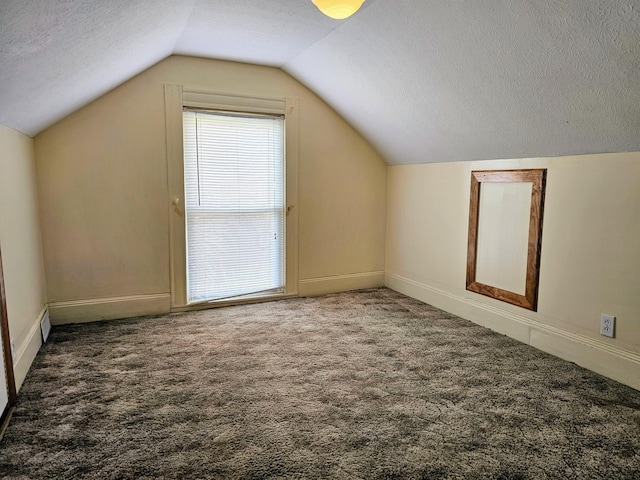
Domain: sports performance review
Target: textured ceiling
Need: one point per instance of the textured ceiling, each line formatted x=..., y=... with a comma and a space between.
x=423, y=80
x=460, y=80
x=266, y=32
x=58, y=55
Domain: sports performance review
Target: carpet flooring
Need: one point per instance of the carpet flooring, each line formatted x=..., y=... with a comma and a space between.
x=358, y=385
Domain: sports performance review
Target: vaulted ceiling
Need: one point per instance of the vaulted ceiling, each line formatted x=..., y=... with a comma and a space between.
x=422, y=80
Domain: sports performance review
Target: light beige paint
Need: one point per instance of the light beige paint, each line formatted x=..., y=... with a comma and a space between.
x=590, y=253
x=503, y=235
x=102, y=180
x=21, y=246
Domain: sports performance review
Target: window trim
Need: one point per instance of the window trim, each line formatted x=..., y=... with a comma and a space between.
x=176, y=98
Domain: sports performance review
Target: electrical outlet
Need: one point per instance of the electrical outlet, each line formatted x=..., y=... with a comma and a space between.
x=13, y=350
x=607, y=325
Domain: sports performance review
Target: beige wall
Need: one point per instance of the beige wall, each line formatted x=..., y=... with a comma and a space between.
x=21, y=247
x=590, y=253
x=102, y=181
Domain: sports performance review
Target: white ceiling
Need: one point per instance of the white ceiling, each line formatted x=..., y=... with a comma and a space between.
x=422, y=80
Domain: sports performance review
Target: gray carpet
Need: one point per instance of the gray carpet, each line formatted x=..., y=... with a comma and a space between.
x=360, y=385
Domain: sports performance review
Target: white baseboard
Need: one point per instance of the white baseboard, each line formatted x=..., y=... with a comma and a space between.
x=26, y=353
x=600, y=357
x=340, y=283
x=95, y=309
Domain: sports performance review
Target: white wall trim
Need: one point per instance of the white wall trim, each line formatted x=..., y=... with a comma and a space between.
x=340, y=283
x=600, y=357
x=95, y=309
x=27, y=351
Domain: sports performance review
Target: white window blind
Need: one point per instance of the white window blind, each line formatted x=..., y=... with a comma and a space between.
x=234, y=203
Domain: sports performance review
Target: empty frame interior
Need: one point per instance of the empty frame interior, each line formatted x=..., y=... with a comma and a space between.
x=505, y=231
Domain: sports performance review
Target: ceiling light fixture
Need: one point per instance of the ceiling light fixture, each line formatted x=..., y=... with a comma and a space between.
x=338, y=9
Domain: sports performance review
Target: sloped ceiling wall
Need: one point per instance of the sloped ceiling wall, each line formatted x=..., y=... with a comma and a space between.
x=58, y=55
x=423, y=80
x=468, y=80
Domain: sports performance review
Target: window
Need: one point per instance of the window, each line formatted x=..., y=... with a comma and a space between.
x=234, y=202
x=206, y=265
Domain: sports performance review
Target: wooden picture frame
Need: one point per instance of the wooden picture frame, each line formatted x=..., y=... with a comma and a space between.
x=537, y=177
